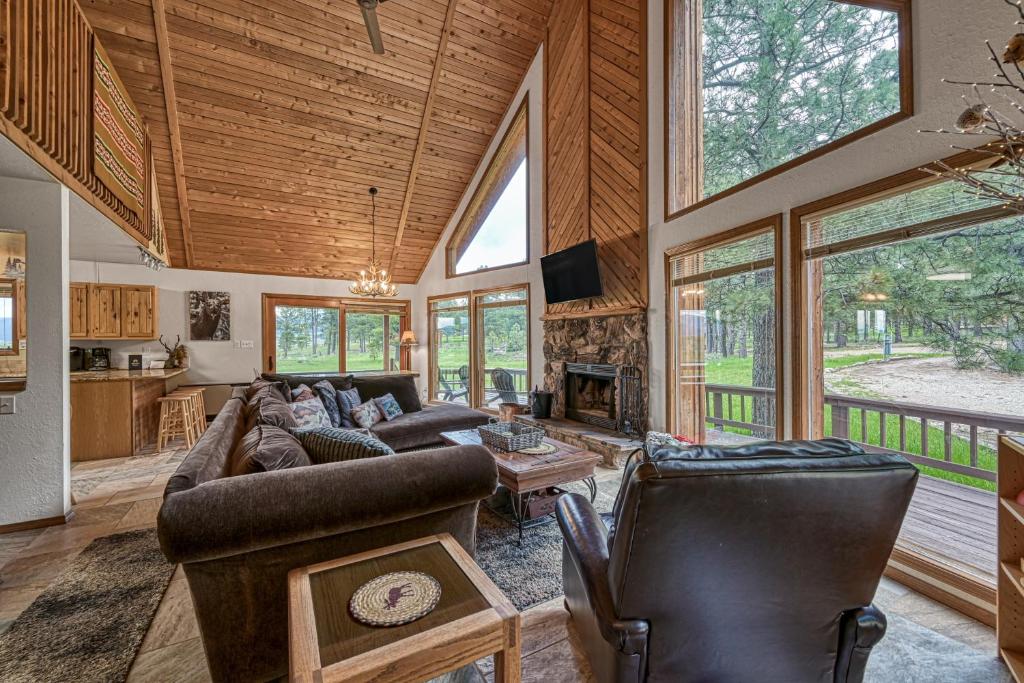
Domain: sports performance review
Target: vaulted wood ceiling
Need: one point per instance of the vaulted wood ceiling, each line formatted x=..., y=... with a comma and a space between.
x=271, y=118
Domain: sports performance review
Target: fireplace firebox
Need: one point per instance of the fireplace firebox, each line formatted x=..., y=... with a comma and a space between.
x=603, y=395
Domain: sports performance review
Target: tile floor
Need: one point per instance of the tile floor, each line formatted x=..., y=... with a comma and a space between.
x=122, y=494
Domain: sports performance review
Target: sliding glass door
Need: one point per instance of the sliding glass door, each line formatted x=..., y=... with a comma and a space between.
x=724, y=337
x=480, y=347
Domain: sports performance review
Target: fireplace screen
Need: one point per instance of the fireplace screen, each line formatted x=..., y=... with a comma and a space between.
x=602, y=395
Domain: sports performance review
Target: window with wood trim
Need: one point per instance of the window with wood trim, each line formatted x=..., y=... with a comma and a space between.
x=755, y=88
x=909, y=327
x=310, y=334
x=480, y=346
x=494, y=230
x=724, y=336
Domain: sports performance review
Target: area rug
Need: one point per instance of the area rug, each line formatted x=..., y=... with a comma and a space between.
x=89, y=623
x=531, y=573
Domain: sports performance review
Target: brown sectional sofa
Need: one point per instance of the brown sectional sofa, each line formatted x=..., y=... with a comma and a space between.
x=237, y=537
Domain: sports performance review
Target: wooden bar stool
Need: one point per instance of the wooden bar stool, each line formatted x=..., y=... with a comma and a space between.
x=197, y=406
x=176, y=419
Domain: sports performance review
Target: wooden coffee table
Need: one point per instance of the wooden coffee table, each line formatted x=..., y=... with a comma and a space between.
x=473, y=619
x=525, y=475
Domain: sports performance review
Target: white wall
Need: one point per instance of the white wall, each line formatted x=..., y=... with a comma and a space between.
x=434, y=282
x=35, y=470
x=209, y=361
x=948, y=40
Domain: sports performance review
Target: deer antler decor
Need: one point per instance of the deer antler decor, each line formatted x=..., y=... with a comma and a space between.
x=177, y=356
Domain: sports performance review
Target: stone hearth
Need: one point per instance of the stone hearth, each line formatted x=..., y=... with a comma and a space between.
x=617, y=340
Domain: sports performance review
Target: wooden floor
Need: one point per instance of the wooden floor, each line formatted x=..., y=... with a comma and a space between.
x=953, y=524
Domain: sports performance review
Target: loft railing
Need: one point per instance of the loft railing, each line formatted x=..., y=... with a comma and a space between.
x=926, y=435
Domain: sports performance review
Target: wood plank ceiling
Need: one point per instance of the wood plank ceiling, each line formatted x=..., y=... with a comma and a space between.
x=271, y=118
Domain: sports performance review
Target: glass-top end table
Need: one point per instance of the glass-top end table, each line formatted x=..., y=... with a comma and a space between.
x=473, y=619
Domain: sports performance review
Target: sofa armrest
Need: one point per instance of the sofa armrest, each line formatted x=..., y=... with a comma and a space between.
x=586, y=540
x=859, y=630
x=241, y=514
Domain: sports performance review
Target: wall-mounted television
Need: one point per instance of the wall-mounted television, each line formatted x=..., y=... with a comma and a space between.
x=572, y=273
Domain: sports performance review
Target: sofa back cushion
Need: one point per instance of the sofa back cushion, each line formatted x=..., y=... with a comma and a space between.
x=339, y=382
x=330, y=444
x=262, y=387
x=270, y=410
x=267, y=448
x=402, y=387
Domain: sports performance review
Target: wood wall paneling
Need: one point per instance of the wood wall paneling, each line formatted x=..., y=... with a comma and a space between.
x=597, y=146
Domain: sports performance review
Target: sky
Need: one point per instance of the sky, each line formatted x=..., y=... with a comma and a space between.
x=502, y=237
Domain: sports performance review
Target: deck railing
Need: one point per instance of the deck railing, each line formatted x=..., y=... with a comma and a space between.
x=882, y=425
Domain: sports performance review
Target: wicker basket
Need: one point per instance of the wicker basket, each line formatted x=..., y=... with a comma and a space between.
x=510, y=436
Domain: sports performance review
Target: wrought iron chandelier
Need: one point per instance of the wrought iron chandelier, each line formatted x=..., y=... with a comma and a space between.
x=375, y=280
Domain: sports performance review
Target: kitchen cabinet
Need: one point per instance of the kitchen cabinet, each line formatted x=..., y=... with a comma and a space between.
x=79, y=303
x=105, y=311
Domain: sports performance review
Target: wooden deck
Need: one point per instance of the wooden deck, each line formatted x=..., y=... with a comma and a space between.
x=953, y=524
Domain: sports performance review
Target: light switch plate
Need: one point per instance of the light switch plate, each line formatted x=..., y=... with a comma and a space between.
x=247, y=344
x=7, y=405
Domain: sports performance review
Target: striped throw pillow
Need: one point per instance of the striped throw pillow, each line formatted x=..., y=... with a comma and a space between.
x=330, y=444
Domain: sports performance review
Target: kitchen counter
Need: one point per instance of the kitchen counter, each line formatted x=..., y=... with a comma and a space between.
x=125, y=375
x=115, y=413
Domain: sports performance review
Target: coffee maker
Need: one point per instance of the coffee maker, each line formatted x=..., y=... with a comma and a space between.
x=97, y=358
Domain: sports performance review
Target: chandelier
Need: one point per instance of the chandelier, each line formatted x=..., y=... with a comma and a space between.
x=374, y=281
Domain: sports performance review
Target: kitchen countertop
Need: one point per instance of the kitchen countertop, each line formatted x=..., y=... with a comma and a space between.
x=125, y=375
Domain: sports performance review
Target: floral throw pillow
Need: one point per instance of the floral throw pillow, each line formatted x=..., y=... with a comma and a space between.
x=347, y=400
x=302, y=393
x=310, y=413
x=367, y=414
x=388, y=407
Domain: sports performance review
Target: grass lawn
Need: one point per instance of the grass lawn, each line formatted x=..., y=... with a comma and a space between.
x=455, y=353
x=354, y=362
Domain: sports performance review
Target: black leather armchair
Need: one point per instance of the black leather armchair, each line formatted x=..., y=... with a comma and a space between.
x=750, y=564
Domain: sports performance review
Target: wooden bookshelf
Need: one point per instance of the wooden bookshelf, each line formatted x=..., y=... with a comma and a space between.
x=1010, y=589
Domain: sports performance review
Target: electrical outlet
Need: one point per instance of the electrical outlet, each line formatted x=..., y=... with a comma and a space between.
x=238, y=344
x=7, y=405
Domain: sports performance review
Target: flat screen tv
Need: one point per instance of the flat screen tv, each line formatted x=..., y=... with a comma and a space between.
x=572, y=273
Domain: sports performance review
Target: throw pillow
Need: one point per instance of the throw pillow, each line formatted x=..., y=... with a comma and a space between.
x=269, y=409
x=302, y=393
x=329, y=397
x=388, y=407
x=260, y=387
x=366, y=414
x=266, y=448
x=347, y=400
x=310, y=413
x=329, y=444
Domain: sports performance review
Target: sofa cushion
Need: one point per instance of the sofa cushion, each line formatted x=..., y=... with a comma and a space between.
x=330, y=444
x=328, y=395
x=423, y=428
x=339, y=382
x=267, y=448
x=310, y=413
x=388, y=407
x=270, y=409
x=367, y=414
x=402, y=387
x=261, y=387
x=347, y=400
x=302, y=393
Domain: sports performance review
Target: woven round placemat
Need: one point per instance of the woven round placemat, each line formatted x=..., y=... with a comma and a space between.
x=542, y=449
x=396, y=598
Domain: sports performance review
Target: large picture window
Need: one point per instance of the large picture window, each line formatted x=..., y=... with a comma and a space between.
x=724, y=336
x=309, y=334
x=479, y=347
x=757, y=87
x=909, y=327
x=494, y=230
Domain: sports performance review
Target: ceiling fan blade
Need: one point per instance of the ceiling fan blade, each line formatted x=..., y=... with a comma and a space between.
x=372, y=26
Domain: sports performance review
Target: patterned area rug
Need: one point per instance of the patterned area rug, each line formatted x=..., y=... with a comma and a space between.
x=89, y=623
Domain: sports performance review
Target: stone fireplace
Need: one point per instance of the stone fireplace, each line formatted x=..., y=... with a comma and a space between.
x=597, y=369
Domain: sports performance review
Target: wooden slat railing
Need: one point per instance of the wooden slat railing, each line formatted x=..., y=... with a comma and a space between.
x=519, y=377
x=975, y=428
